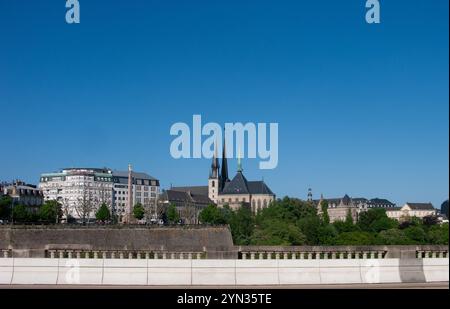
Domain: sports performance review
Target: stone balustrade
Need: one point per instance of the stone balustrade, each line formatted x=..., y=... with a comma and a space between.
x=155, y=255
x=311, y=255
x=340, y=252
x=424, y=254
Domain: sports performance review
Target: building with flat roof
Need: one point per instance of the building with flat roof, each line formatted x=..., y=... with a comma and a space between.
x=81, y=191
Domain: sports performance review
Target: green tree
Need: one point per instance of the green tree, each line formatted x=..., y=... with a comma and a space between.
x=277, y=232
x=103, y=213
x=392, y=237
x=211, y=214
x=325, y=216
x=20, y=213
x=438, y=234
x=376, y=220
x=50, y=212
x=355, y=239
x=242, y=225
x=172, y=214
x=5, y=207
x=415, y=234
x=138, y=211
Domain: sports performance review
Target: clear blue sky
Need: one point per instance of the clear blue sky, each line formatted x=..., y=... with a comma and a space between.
x=362, y=109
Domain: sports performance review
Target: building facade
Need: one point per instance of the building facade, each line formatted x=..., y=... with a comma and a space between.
x=81, y=191
x=339, y=208
x=188, y=203
x=409, y=210
x=143, y=188
x=24, y=194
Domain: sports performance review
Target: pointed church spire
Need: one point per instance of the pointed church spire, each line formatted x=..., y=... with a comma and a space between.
x=239, y=162
x=215, y=164
x=224, y=173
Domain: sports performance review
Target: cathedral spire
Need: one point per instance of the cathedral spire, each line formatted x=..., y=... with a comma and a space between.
x=215, y=164
x=224, y=173
x=239, y=162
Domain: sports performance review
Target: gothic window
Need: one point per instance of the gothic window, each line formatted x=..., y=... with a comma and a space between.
x=265, y=203
x=213, y=183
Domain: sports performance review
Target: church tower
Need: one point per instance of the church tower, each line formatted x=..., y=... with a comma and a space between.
x=224, y=174
x=213, y=181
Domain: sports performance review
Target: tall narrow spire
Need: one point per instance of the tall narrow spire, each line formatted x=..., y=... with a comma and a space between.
x=239, y=169
x=215, y=164
x=224, y=173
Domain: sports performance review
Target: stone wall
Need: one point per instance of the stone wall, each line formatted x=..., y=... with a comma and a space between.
x=216, y=242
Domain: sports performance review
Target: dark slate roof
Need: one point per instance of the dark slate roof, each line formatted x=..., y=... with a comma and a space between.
x=393, y=208
x=240, y=185
x=124, y=174
x=237, y=186
x=380, y=201
x=346, y=200
x=180, y=196
x=420, y=206
x=258, y=187
x=200, y=190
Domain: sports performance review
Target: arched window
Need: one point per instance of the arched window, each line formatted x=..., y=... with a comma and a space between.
x=213, y=183
x=265, y=203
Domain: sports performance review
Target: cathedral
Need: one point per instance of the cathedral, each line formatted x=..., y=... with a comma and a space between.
x=223, y=191
x=238, y=191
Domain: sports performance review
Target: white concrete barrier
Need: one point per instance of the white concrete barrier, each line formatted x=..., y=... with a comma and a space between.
x=257, y=272
x=292, y=272
x=220, y=272
x=6, y=271
x=213, y=272
x=436, y=270
x=35, y=271
x=125, y=272
x=80, y=271
x=340, y=271
x=169, y=272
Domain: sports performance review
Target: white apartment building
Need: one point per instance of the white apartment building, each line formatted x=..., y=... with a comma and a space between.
x=81, y=191
x=145, y=190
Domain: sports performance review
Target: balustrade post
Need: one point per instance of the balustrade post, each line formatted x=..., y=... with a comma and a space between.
x=380, y=254
x=172, y=255
x=61, y=254
x=441, y=254
x=121, y=255
x=302, y=255
x=277, y=255
x=199, y=256
x=285, y=255
x=433, y=254
x=252, y=255
x=372, y=254
x=113, y=255
x=349, y=255
x=52, y=254
x=95, y=254
x=364, y=255
x=333, y=255
x=310, y=255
